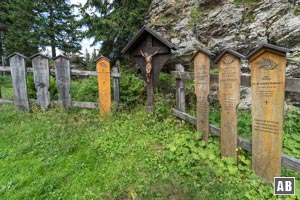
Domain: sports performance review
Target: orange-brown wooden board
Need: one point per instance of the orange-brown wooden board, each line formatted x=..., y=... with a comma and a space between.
x=103, y=70
x=201, y=71
x=229, y=97
x=267, y=86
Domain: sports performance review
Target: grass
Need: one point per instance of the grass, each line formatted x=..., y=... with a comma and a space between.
x=129, y=155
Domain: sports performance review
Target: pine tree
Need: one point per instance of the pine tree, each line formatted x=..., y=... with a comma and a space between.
x=113, y=23
x=56, y=25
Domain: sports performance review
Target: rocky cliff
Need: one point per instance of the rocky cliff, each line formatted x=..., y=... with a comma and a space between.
x=237, y=24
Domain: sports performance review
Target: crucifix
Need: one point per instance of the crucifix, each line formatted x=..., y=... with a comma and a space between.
x=150, y=52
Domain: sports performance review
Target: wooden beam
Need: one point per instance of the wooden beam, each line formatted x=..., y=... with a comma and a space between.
x=286, y=161
x=292, y=84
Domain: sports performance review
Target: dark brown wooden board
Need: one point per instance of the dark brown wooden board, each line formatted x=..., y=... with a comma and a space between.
x=149, y=44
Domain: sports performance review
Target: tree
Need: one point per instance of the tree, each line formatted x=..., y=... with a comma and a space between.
x=113, y=23
x=16, y=32
x=56, y=25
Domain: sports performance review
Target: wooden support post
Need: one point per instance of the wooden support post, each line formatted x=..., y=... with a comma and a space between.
x=41, y=79
x=103, y=70
x=116, y=76
x=268, y=65
x=229, y=97
x=63, y=79
x=201, y=74
x=18, y=74
x=180, y=94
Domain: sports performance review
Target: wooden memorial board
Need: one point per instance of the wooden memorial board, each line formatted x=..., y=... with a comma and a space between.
x=18, y=74
x=229, y=98
x=103, y=70
x=268, y=63
x=41, y=79
x=202, y=78
x=151, y=52
x=63, y=79
x=116, y=76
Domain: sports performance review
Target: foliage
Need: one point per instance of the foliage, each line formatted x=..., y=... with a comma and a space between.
x=132, y=88
x=113, y=23
x=130, y=155
x=56, y=26
x=16, y=32
x=31, y=90
x=27, y=25
x=85, y=90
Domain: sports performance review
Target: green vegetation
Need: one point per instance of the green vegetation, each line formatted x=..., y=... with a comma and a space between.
x=249, y=2
x=129, y=155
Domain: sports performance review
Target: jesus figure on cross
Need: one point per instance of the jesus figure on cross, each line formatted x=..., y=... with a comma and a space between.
x=148, y=57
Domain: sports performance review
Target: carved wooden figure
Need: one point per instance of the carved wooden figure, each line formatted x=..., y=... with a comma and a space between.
x=41, y=79
x=103, y=70
x=229, y=98
x=150, y=52
x=18, y=75
x=202, y=78
x=268, y=63
x=63, y=79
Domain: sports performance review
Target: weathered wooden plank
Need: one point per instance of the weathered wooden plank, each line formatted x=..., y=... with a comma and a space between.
x=63, y=80
x=184, y=116
x=103, y=70
x=6, y=101
x=18, y=74
x=229, y=97
x=41, y=80
x=202, y=83
x=116, y=76
x=292, y=84
x=287, y=161
x=267, y=91
x=180, y=90
x=85, y=104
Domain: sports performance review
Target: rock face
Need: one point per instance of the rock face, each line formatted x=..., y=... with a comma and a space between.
x=218, y=24
x=240, y=25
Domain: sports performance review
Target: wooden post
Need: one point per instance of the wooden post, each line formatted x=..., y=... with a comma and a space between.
x=202, y=78
x=18, y=74
x=116, y=76
x=180, y=93
x=41, y=79
x=268, y=64
x=103, y=70
x=63, y=79
x=229, y=98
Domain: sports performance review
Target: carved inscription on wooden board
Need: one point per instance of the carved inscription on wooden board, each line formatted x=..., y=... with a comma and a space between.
x=41, y=80
x=201, y=71
x=229, y=97
x=267, y=86
x=63, y=80
x=103, y=70
x=18, y=74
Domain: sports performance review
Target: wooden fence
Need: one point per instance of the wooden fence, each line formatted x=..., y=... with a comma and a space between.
x=41, y=73
x=292, y=85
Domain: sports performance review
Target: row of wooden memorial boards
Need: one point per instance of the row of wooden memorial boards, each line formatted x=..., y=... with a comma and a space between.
x=41, y=75
x=268, y=63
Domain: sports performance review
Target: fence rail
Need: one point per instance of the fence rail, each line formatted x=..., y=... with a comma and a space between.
x=74, y=72
x=287, y=161
x=292, y=84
